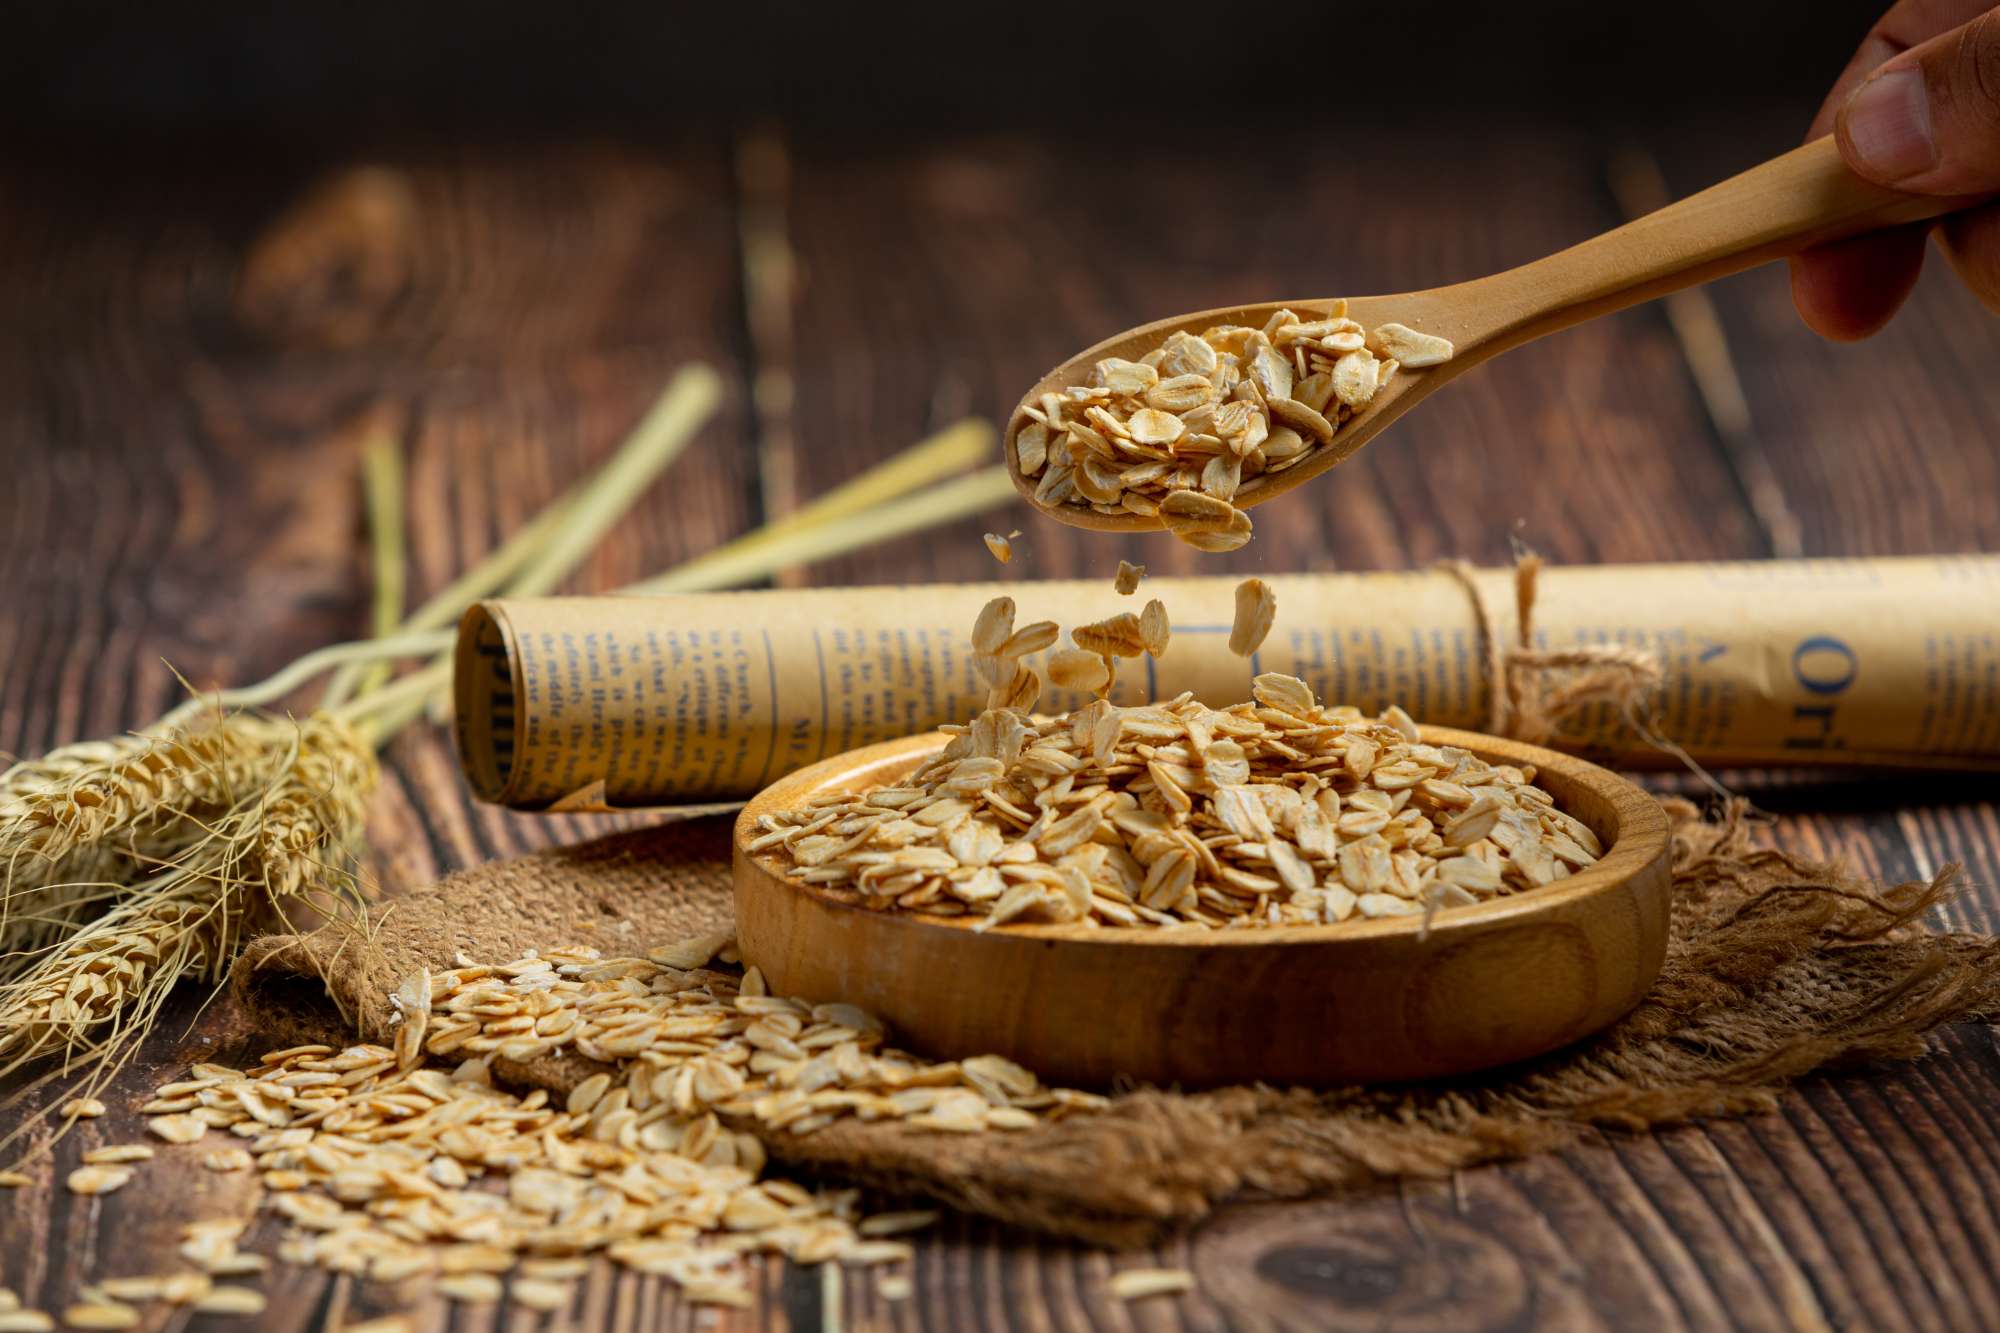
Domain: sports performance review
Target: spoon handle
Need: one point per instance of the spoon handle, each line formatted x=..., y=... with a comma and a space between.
x=1788, y=204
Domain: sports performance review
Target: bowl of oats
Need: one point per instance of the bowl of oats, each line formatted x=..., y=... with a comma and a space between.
x=1280, y=891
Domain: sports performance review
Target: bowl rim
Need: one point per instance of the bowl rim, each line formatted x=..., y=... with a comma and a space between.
x=1641, y=839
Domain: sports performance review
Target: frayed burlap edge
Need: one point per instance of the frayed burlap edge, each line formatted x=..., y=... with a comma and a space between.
x=1775, y=967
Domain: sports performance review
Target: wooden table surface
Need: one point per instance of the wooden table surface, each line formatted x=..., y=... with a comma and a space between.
x=189, y=355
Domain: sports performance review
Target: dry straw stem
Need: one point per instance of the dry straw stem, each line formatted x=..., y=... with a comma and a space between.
x=943, y=455
x=745, y=560
x=294, y=674
x=593, y=507
x=679, y=412
x=689, y=401
x=102, y=987
x=753, y=558
x=858, y=508
x=382, y=485
x=185, y=787
x=185, y=831
x=534, y=559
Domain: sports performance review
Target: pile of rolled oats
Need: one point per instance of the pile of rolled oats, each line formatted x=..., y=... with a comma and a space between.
x=1174, y=434
x=1274, y=812
x=387, y=1167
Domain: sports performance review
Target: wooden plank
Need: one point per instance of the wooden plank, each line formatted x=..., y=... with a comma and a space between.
x=181, y=483
x=1906, y=467
x=184, y=487
x=195, y=476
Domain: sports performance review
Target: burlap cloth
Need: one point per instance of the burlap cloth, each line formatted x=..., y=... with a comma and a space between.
x=1775, y=967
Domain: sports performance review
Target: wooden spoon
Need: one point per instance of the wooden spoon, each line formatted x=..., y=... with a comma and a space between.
x=1366, y=1000
x=1793, y=202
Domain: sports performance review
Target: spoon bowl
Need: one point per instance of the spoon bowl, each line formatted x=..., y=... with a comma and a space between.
x=1804, y=198
x=1424, y=311
x=1363, y=1001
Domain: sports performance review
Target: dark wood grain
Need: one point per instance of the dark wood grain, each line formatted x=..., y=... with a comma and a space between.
x=1897, y=471
x=192, y=351
x=981, y=267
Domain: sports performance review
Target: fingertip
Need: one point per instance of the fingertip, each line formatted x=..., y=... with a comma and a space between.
x=1972, y=244
x=1820, y=309
x=1848, y=290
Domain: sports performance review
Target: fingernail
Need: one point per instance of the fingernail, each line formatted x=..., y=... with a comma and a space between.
x=1888, y=124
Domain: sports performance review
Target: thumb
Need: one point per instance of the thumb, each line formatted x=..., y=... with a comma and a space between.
x=1928, y=121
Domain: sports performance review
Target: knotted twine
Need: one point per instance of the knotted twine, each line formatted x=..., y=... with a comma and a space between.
x=1775, y=966
x=1533, y=691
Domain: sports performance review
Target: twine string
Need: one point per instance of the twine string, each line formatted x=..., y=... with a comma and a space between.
x=1533, y=691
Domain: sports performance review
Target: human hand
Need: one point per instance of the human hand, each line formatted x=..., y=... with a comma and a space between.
x=1918, y=108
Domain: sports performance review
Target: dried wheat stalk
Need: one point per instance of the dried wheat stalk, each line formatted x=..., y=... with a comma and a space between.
x=82, y=825
x=100, y=987
x=88, y=793
x=128, y=863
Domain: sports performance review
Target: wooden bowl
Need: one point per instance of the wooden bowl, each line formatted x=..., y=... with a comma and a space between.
x=1365, y=1001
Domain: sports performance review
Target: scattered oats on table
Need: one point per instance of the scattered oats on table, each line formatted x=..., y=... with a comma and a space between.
x=100, y=1315
x=231, y=1301
x=895, y=1224
x=470, y=1288
x=1132, y=1284
x=388, y=1171
x=187, y=1288
x=388, y=1323
x=540, y=1293
x=99, y=1179
x=1204, y=414
x=176, y=1128
x=113, y=1154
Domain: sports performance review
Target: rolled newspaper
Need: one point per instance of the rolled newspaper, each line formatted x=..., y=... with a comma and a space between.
x=653, y=700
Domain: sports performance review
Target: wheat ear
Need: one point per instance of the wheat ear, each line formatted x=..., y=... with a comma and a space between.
x=84, y=820
x=101, y=988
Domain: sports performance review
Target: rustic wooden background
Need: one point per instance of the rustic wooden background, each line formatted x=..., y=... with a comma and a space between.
x=190, y=351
